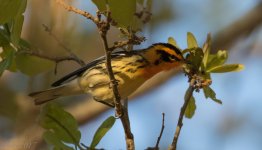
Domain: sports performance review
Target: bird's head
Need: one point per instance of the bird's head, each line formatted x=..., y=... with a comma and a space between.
x=163, y=56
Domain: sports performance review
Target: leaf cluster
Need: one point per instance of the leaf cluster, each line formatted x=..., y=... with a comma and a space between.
x=200, y=64
x=123, y=12
x=62, y=129
x=13, y=57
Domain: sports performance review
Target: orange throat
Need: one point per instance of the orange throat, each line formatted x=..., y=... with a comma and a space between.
x=152, y=70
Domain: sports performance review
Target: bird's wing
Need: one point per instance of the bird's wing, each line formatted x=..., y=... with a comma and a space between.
x=79, y=71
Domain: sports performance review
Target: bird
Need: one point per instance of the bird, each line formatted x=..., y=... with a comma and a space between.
x=130, y=68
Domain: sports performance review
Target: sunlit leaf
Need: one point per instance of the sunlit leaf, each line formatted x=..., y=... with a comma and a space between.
x=226, y=68
x=191, y=108
x=123, y=12
x=191, y=41
x=102, y=130
x=206, y=49
x=217, y=59
x=209, y=93
x=32, y=65
x=172, y=41
x=60, y=122
x=52, y=139
x=100, y=4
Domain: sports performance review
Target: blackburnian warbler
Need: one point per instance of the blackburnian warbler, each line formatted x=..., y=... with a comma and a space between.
x=131, y=70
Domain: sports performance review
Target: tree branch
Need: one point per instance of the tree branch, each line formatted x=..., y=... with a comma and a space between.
x=191, y=89
x=120, y=110
x=180, y=120
x=103, y=27
x=130, y=144
x=77, y=11
x=71, y=54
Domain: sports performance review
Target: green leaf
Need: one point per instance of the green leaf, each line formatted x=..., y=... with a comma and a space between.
x=123, y=12
x=191, y=108
x=4, y=37
x=206, y=49
x=11, y=8
x=17, y=29
x=216, y=60
x=32, y=65
x=191, y=41
x=100, y=4
x=102, y=130
x=195, y=58
x=8, y=57
x=24, y=44
x=172, y=41
x=61, y=123
x=4, y=64
x=226, y=68
x=209, y=93
x=52, y=139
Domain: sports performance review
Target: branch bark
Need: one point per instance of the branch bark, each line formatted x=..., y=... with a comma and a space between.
x=190, y=91
x=121, y=111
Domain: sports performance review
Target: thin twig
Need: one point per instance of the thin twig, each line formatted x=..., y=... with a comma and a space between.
x=69, y=51
x=54, y=59
x=77, y=11
x=181, y=115
x=161, y=132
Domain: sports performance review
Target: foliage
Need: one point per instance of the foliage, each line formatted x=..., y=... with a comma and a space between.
x=15, y=50
x=61, y=127
x=123, y=11
x=202, y=64
x=102, y=130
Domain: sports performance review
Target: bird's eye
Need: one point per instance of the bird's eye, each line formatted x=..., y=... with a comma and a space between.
x=172, y=57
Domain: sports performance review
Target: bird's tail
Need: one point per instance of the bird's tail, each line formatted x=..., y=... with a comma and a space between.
x=40, y=97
